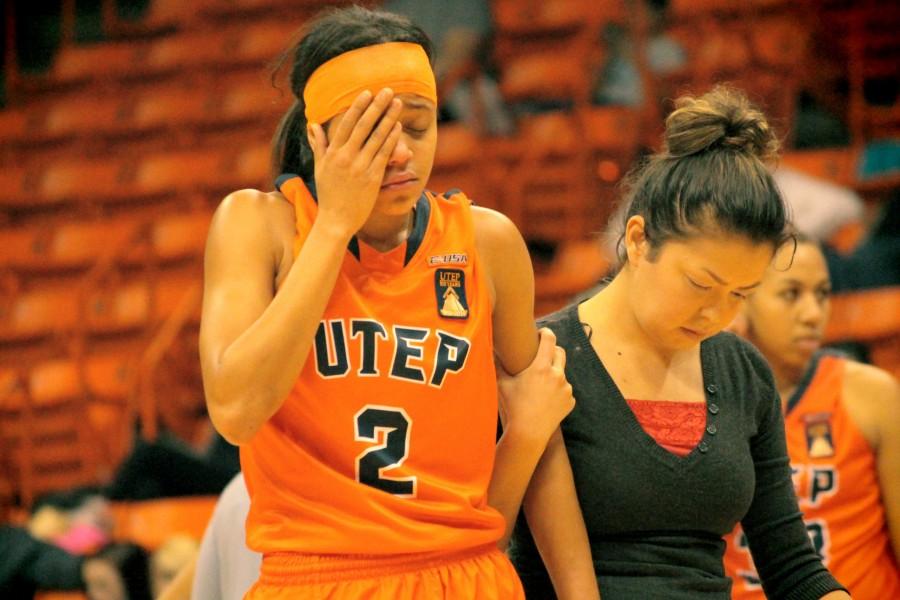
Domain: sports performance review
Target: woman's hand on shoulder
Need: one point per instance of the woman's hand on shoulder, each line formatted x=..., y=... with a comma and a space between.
x=350, y=167
x=534, y=402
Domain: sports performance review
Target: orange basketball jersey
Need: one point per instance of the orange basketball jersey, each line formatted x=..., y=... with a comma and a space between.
x=836, y=482
x=385, y=444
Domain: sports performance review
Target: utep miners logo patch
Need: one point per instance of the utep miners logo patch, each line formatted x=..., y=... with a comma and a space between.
x=819, y=441
x=450, y=293
x=456, y=258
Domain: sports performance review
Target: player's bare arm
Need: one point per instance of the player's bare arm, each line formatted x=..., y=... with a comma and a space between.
x=873, y=401
x=249, y=365
x=542, y=390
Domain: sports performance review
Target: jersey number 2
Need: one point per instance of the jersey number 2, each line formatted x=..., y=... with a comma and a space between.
x=388, y=428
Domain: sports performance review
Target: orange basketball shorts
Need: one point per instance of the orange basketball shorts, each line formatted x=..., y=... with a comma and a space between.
x=479, y=574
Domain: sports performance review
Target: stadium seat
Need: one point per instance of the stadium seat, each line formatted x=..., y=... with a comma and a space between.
x=563, y=76
x=118, y=308
x=180, y=236
x=66, y=246
x=577, y=266
x=38, y=313
x=864, y=315
x=833, y=164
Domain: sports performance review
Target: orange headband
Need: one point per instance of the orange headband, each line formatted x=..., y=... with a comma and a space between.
x=401, y=66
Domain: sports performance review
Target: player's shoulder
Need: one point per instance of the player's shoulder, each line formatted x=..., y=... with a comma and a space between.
x=251, y=210
x=871, y=396
x=493, y=227
x=865, y=383
x=251, y=202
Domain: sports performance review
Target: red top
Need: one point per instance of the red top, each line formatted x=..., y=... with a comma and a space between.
x=676, y=426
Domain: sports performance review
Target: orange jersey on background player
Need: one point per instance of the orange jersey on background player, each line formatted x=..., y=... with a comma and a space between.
x=385, y=445
x=836, y=481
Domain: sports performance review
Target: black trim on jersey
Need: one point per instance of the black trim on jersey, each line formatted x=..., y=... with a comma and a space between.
x=807, y=378
x=451, y=192
x=284, y=177
x=420, y=225
x=420, y=219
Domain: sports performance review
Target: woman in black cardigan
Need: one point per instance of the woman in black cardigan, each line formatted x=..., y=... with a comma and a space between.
x=678, y=434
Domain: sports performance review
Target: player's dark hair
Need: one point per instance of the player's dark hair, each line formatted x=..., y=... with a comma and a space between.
x=331, y=33
x=711, y=175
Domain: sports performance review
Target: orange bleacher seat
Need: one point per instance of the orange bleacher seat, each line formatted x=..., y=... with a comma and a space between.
x=54, y=381
x=180, y=236
x=550, y=134
x=84, y=180
x=18, y=186
x=183, y=105
x=105, y=60
x=716, y=49
x=456, y=165
x=170, y=290
x=687, y=9
x=252, y=168
x=834, y=164
x=530, y=17
x=38, y=313
x=260, y=43
x=14, y=124
x=48, y=440
x=779, y=41
x=547, y=189
x=252, y=44
x=253, y=99
x=96, y=389
x=611, y=128
x=169, y=108
x=85, y=115
x=864, y=315
x=66, y=246
x=12, y=390
x=847, y=237
x=577, y=266
x=108, y=376
x=216, y=170
x=181, y=171
x=542, y=76
x=886, y=354
x=118, y=308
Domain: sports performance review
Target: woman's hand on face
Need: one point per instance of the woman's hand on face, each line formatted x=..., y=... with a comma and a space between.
x=349, y=168
x=535, y=401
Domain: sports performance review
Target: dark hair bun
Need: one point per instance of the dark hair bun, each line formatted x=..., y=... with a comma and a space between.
x=720, y=119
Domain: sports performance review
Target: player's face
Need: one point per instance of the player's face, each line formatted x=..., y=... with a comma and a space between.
x=694, y=287
x=786, y=316
x=410, y=164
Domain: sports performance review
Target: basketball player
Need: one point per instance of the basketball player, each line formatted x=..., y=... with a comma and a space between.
x=842, y=420
x=350, y=324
